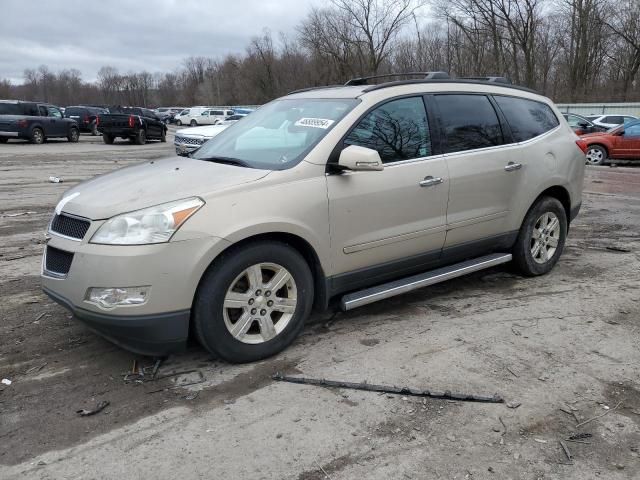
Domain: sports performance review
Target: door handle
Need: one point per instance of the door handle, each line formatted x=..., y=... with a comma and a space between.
x=430, y=181
x=511, y=167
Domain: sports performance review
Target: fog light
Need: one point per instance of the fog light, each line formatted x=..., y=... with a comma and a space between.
x=117, y=296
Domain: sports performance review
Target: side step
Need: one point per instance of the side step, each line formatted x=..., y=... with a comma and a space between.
x=397, y=287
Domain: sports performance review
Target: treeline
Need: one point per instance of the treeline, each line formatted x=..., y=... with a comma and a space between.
x=571, y=50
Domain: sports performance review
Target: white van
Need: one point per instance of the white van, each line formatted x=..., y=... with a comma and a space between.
x=188, y=114
x=213, y=116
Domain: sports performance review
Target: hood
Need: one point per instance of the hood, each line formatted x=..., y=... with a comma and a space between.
x=152, y=183
x=204, y=131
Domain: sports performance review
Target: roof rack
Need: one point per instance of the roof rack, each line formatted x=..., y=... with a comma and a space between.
x=425, y=75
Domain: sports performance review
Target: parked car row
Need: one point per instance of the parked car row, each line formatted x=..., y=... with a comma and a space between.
x=188, y=140
x=618, y=143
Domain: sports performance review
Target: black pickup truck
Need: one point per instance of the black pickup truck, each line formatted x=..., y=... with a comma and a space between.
x=34, y=122
x=133, y=123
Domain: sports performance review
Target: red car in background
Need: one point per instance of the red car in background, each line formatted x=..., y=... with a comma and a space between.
x=622, y=142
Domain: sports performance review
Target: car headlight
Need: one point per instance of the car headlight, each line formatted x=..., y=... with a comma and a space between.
x=149, y=225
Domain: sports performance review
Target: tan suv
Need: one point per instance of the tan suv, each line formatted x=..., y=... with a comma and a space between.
x=352, y=193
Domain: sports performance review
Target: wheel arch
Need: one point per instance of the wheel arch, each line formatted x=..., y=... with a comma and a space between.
x=600, y=144
x=301, y=245
x=556, y=191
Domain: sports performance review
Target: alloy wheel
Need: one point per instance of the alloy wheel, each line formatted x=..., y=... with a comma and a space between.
x=260, y=303
x=545, y=237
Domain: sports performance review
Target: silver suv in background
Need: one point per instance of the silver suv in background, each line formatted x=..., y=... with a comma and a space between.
x=352, y=193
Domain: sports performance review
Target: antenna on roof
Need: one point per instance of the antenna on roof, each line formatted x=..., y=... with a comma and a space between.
x=425, y=75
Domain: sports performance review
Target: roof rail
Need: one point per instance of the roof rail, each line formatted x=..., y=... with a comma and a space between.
x=380, y=86
x=313, y=88
x=491, y=78
x=426, y=75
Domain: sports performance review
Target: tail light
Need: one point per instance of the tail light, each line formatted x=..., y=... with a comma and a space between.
x=132, y=121
x=582, y=145
x=97, y=120
x=22, y=123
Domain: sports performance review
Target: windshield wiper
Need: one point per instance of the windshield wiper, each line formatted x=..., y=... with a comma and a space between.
x=227, y=161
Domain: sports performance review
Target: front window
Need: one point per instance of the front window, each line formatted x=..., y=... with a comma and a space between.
x=278, y=135
x=398, y=130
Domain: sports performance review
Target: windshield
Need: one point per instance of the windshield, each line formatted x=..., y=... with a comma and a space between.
x=278, y=135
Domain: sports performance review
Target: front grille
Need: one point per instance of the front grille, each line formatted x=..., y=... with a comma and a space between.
x=70, y=226
x=58, y=261
x=189, y=140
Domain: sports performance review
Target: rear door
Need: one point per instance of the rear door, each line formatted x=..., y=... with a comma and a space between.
x=483, y=171
x=58, y=125
x=384, y=222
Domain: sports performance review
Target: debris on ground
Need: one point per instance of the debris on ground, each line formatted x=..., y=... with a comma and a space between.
x=99, y=407
x=580, y=436
x=35, y=369
x=53, y=179
x=369, y=387
x=6, y=381
x=618, y=249
x=566, y=451
x=17, y=214
x=598, y=416
x=513, y=404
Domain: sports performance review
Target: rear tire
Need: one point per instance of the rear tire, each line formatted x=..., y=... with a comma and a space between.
x=94, y=129
x=37, y=136
x=4, y=139
x=163, y=136
x=596, y=155
x=541, y=238
x=193, y=123
x=74, y=135
x=178, y=123
x=108, y=139
x=140, y=138
x=243, y=278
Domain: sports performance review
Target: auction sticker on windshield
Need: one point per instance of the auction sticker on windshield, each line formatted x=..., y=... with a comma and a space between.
x=323, y=123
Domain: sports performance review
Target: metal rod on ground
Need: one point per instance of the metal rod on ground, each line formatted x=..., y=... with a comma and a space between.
x=370, y=387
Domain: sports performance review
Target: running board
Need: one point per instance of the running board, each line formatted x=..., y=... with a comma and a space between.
x=397, y=287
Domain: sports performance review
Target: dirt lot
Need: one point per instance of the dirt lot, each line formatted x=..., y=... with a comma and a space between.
x=564, y=346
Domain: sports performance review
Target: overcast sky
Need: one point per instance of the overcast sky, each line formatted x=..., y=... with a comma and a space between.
x=152, y=35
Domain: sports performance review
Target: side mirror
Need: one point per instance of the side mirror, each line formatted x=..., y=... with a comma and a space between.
x=360, y=159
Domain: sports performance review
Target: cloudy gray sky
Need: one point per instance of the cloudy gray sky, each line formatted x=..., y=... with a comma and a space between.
x=154, y=35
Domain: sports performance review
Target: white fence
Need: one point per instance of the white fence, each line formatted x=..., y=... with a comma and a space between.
x=600, y=108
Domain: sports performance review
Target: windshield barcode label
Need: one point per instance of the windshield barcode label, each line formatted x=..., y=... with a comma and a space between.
x=323, y=123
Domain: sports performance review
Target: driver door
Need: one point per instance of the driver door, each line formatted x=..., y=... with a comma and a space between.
x=384, y=223
x=627, y=144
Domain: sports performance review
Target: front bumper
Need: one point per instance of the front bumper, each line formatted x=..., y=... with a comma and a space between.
x=172, y=270
x=156, y=335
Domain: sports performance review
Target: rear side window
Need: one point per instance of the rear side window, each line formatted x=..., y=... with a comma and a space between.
x=617, y=119
x=468, y=122
x=527, y=118
x=72, y=111
x=398, y=130
x=11, y=109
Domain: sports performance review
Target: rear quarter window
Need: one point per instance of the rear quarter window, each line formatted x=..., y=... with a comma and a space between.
x=527, y=118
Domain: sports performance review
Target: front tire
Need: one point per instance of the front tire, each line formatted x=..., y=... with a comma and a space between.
x=163, y=136
x=596, y=155
x=541, y=238
x=94, y=129
x=4, y=139
x=178, y=123
x=253, y=302
x=193, y=123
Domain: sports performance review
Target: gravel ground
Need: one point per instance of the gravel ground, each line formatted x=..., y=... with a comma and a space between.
x=563, y=346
